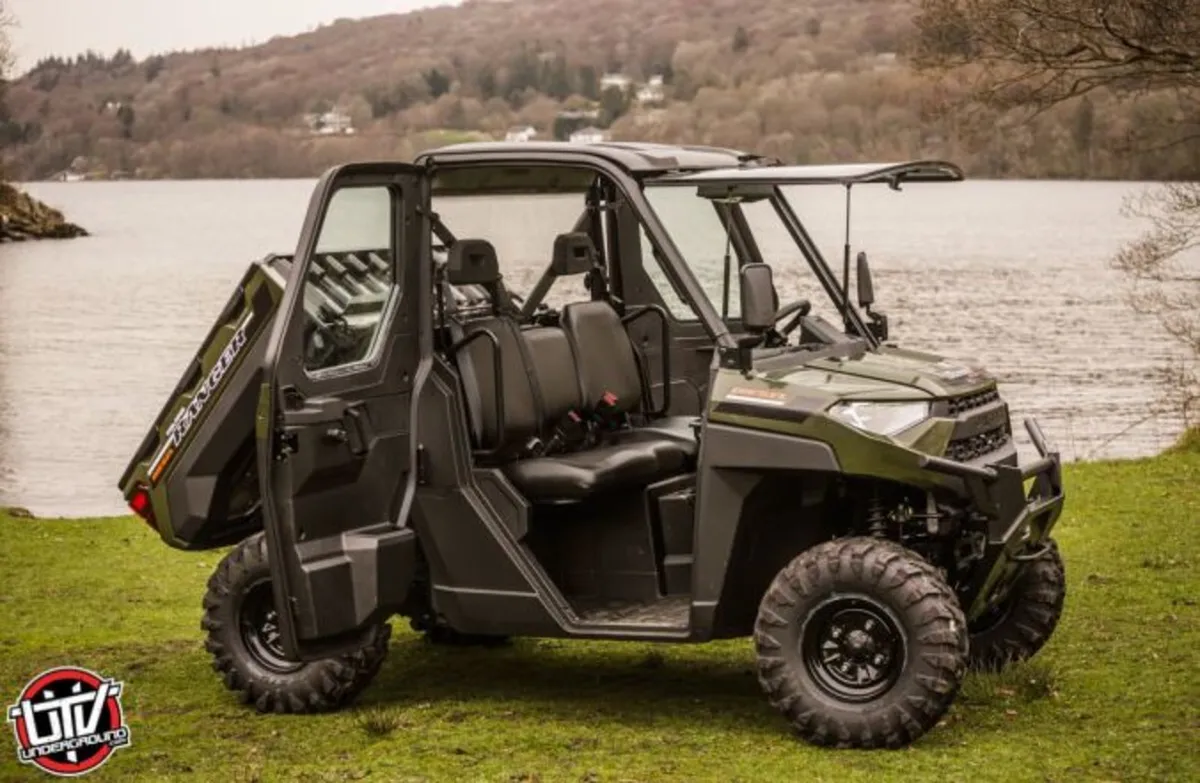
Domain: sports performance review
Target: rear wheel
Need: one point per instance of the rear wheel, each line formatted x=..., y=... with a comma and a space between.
x=860, y=644
x=1018, y=628
x=243, y=639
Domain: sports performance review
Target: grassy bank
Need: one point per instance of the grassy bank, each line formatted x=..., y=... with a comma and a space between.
x=1114, y=696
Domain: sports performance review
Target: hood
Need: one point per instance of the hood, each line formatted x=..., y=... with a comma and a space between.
x=889, y=373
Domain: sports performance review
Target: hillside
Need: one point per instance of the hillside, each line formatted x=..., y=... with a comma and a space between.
x=806, y=80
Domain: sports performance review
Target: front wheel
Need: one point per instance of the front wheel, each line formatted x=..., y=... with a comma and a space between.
x=1018, y=628
x=860, y=644
x=243, y=639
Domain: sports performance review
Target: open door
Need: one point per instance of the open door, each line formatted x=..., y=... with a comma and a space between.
x=336, y=415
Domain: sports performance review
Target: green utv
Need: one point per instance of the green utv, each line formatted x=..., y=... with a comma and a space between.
x=644, y=444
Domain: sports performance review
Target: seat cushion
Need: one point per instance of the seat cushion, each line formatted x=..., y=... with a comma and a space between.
x=678, y=430
x=576, y=476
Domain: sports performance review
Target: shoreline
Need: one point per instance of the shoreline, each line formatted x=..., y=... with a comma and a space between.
x=24, y=218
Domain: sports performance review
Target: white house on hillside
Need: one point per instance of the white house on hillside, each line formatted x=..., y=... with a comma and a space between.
x=521, y=133
x=652, y=91
x=330, y=123
x=618, y=80
x=579, y=114
x=588, y=135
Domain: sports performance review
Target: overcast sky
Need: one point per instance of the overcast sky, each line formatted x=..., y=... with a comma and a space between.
x=68, y=27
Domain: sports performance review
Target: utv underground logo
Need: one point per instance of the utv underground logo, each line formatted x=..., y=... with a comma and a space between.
x=183, y=421
x=68, y=721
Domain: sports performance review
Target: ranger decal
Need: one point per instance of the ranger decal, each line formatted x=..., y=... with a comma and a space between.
x=187, y=416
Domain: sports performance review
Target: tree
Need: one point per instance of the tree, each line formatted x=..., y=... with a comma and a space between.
x=6, y=63
x=1084, y=127
x=1039, y=54
x=589, y=82
x=126, y=116
x=6, y=56
x=613, y=103
x=555, y=80
x=741, y=40
x=438, y=82
x=154, y=66
x=485, y=81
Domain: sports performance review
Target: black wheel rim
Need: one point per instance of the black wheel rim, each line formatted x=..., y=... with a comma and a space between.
x=853, y=648
x=259, y=624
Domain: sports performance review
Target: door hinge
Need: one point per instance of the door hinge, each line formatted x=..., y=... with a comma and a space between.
x=286, y=444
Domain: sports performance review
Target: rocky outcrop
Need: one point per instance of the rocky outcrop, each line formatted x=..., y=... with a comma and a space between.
x=23, y=217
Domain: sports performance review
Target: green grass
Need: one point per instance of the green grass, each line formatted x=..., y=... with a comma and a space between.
x=1114, y=696
x=1189, y=442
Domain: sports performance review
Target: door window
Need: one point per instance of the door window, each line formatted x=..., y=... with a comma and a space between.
x=675, y=304
x=697, y=230
x=351, y=279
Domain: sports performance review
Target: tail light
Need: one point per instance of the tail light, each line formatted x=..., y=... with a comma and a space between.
x=141, y=505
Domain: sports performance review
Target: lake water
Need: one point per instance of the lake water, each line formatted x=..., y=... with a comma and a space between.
x=95, y=332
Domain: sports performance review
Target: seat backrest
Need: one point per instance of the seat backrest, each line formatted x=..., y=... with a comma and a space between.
x=604, y=354
x=476, y=365
x=473, y=262
x=554, y=371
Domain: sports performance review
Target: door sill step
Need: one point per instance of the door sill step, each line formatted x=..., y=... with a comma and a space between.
x=670, y=612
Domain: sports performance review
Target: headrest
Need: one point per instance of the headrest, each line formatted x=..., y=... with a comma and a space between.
x=472, y=262
x=574, y=254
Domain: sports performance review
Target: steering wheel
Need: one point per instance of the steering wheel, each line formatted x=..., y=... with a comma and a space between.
x=798, y=309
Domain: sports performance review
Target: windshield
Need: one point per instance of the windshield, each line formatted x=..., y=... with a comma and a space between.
x=696, y=225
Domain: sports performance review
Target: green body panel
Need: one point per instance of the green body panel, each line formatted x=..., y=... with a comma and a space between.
x=223, y=371
x=795, y=401
x=915, y=370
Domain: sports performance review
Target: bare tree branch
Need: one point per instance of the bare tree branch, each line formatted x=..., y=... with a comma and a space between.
x=1037, y=54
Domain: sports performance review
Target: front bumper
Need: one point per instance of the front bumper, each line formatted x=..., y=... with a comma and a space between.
x=1019, y=522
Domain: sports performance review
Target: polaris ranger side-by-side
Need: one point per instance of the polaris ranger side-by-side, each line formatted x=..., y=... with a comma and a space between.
x=646, y=444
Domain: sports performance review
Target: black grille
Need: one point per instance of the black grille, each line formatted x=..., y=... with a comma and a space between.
x=976, y=446
x=969, y=402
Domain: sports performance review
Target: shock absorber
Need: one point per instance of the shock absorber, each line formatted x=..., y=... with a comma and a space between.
x=876, y=515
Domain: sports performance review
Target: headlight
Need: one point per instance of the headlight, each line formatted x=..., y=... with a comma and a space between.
x=881, y=418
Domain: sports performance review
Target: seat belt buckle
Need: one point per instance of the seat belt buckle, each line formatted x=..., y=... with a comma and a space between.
x=608, y=416
x=534, y=447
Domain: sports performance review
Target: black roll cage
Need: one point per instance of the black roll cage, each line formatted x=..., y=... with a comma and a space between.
x=651, y=166
x=624, y=186
x=612, y=181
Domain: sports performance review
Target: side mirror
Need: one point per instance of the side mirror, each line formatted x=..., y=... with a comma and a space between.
x=758, y=298
x=866, y=291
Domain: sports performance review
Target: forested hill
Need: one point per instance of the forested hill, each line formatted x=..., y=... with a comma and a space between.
x=806, y=80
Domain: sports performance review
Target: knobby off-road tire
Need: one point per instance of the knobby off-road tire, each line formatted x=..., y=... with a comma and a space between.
x=239, y=617
x=1023, y=625
x=861, y=644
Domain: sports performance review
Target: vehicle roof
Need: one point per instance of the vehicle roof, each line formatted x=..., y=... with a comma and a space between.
x=700, y=164
x=829, y=174
x=634, y=157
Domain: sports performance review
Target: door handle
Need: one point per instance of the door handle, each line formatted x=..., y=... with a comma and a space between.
x=355, y=430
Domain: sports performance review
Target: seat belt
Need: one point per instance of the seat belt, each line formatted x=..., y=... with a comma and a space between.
x=466, y=369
